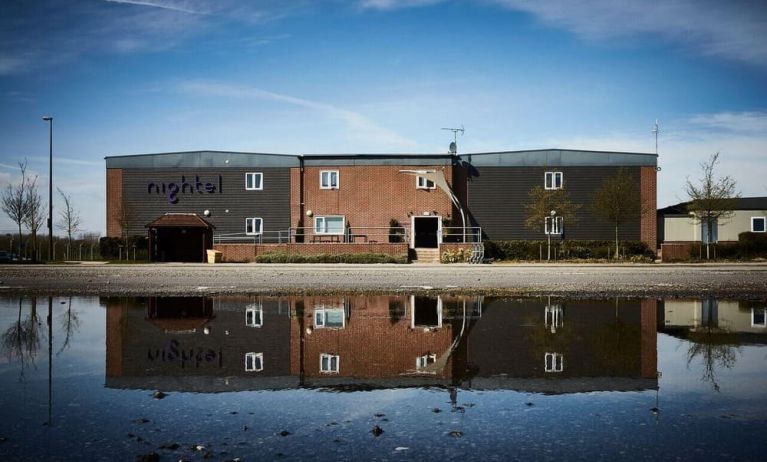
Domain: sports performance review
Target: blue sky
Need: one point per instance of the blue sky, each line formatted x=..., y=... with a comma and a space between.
x=141, y=76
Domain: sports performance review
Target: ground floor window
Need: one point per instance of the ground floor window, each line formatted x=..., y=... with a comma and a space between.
x=329, y=363
x=254, y=226
x=329, y=224
x=553, y=362
x=254, y=362
x=758, y=317
x=758, y=224
x=554, y=225
x=422, y=362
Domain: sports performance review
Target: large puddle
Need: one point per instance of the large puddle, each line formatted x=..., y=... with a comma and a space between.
x=382, y=377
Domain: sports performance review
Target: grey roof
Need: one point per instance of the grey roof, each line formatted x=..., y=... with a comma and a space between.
x=539, y=157
x=743, y=203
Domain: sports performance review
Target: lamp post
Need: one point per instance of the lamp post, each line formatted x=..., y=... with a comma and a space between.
x=49, y=119
x=550, y=230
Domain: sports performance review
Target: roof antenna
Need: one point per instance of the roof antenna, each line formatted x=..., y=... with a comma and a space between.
x=453, y=149
x=656, y=130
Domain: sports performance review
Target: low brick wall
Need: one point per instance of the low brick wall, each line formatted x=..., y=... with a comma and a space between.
x=675, y=251
x=247, y=252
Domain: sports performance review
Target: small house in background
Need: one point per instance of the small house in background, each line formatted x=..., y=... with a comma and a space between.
x=678, y=228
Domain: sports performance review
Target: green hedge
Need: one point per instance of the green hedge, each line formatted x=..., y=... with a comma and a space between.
x=564, y=250
x=749, y=245
x=110, y=250
x=328, y=258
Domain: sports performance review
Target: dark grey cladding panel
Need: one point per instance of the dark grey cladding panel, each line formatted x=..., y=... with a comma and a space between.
x=321, y=160
x=272, y=204
x=560, y=157
x=498, y=195
x=202, y=159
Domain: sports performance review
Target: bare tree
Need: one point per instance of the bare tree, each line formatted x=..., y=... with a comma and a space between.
x=35, y=213
x=14, y=201
x=618, y=201
x=126, y=215
x=70, y=219
x=712, y=198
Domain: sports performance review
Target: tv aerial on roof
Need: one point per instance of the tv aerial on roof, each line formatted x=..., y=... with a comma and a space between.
x=453, y=149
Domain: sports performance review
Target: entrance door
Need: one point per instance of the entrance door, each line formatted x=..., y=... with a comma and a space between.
x=426, y=232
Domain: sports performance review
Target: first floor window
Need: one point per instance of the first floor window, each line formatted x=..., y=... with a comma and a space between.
x=554, y=225
x=254, y=315
x=329, y=225
x=329, y=363
x=253, y=225
x=758, y=317
x=254, y=362
x=553, y=180
x=758, y=224
x=328, y=179
x=422, y=362
x=254, y=181
x=554, y=362
x=421, y=182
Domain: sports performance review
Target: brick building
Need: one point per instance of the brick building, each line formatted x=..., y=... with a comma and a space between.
x=256, y=203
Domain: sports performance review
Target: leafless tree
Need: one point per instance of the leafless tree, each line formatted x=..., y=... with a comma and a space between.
x=618, y=201
x=21, y=341
x=70, y=219
x=70, y=323
x=14, y=201
x=126, y=215
x=712, y=198
x=35, y=213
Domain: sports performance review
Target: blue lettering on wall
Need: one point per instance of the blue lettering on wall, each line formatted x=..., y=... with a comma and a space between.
x=172, y=190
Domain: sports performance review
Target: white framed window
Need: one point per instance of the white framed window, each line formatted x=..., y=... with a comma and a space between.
x=758, y=317
x=329, y=364
x=758, y=224
x=329, y=224
x=254, y=362
x=328, y=179
x=254, y=181
x=553, y=180
x=422, y=362
x=553, y=225
x=425, y=312
x=254, y=226
x=554, y=317
x=330, y=318
x=254, y=315
x=553, y=362
x=421, y=182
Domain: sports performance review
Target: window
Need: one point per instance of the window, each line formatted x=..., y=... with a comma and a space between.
x=554, y=362
x=553, y=180
x=329, y=225
x=330, y=318
x=253, y=225
x=554, y=317
x=254, y=181
x=758, y=224
x=554, y=225
x=758, y=317
x=329, y=363
x=714, y=231
x=254, y=362
x=254, y=315
x=421, y=182
x=422, y=362
x=328, y=179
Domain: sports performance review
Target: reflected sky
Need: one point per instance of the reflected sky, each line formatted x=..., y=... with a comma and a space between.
x=444, y=377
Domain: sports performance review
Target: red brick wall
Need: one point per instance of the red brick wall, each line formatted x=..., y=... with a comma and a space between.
x=648, y=193
x=114, y=201
x=248, y=252
x=370, y=195
x=649, y=349
x=675, y=251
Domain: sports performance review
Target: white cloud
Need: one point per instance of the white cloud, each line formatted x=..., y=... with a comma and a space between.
x=181, y=6
x=395, y=4
x=358, y=126
x=731, y=29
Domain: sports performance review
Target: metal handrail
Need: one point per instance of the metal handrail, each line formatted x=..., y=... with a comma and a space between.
x=468, y=234
x=308, y=234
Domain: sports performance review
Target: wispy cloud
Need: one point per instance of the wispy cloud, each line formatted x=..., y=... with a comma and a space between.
x=358, y=125
x=395, y=4
x=735, y=29
x=182, y=6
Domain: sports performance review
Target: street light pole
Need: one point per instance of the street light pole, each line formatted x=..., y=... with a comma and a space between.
x=49, y=119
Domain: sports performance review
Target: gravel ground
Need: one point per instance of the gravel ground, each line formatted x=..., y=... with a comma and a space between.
x=572, y=280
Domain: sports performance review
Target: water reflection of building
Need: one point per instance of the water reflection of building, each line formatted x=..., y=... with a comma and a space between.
x=358, y=342
x=744, y=321
x=198, y=344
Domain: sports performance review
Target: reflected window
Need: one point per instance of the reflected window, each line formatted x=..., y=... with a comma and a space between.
x=330, y=318
x=254, y=362
x=254, y=315
x=554, y=317
x=758, y=317
x=329, y=363
x=553, y=362
x=426, y=311
x=422, y=362
x=421, y=182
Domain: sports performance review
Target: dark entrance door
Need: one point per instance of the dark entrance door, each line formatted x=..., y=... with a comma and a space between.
x=181, y=244
x=425, y=232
